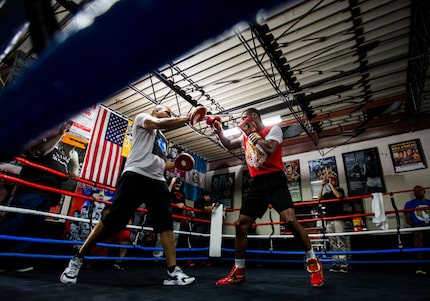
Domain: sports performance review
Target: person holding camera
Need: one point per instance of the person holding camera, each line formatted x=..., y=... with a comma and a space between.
x=42, y=151
x=330, y=190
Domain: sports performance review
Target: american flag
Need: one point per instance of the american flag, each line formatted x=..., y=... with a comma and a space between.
x=103, y=159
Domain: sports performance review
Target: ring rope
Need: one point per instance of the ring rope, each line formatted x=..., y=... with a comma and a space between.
x=270, y=237
x=57, y=173
x=24, y=161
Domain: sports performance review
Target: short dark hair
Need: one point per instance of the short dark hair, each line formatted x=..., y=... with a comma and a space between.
x=206, y=192
x=253, y=110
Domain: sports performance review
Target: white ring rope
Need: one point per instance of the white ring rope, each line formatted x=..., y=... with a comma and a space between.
x=283, y=236
x=84, y=220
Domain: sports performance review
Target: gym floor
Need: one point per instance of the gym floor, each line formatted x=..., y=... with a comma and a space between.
x=264, y=283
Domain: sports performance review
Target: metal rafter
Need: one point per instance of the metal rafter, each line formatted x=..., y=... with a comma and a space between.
x=277, y=62
x=419, y=48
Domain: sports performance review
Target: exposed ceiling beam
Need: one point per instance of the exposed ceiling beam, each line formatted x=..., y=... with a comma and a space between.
x=385, y=126
x=353, y=109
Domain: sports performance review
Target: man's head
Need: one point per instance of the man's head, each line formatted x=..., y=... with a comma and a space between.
x=419, y=192
x=162, y=111
x=252, y=114
x=206, y=195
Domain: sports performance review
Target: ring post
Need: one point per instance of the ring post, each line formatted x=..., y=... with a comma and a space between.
x=216, y=232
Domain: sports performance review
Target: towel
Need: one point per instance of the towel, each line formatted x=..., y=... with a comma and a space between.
x=378, y=210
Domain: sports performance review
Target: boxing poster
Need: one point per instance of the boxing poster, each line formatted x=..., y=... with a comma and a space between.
x=407, y=155
x=292, y=172
x=363, y=172
x=172, y=152
x=319, y=170
x=223, y=189
x=86, y=209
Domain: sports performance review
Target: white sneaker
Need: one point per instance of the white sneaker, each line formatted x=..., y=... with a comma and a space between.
x=178, y=277
x=70, y=274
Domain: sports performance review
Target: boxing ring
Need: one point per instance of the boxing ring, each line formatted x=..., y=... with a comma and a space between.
x=274, y=272
x=275, y=268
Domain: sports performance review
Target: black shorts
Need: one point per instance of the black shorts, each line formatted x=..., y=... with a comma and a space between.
x=134, y=189
x=265, y=190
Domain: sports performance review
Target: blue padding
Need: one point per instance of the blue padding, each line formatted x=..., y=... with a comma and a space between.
x=132, y=39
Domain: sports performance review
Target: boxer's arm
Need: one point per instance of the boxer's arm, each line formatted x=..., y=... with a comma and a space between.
x=169, y=165
x=269, y=146
x=164, y=123
x=271, y=141
x=229, y=143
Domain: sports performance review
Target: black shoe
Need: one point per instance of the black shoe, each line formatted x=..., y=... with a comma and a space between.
x=344, y=268
x=119, y=265
x=335, y=268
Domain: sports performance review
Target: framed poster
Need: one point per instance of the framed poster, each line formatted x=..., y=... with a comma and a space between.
x=319, y=170
x=363, y=172
x=172, y=152
x=292, y=171
x=407, y=155
x=223, y=189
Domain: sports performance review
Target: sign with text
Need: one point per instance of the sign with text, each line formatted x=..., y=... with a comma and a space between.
x=407, y=155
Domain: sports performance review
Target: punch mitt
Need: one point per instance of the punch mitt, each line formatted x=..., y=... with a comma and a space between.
x=197, y=114
x=184, y=162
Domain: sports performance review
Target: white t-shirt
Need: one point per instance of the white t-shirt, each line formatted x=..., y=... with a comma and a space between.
x=148, y=150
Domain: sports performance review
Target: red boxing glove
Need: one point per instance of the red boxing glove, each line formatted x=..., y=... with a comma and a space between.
x=214, y=122
x=248, y=127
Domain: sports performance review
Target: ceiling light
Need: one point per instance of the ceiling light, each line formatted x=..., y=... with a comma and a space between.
x=231, y=132
x=266, y=121
x=272, y=120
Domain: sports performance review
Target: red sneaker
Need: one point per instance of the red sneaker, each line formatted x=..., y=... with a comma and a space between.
x=206, y=264
x=236, y=276
x=314, y=267
x=190, y=264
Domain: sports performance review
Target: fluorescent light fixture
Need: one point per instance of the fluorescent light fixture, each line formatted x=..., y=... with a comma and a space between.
x=272, y=120
x=231, y=132
x=266, y=121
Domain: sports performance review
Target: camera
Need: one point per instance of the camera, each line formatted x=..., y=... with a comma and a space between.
x=326, y=181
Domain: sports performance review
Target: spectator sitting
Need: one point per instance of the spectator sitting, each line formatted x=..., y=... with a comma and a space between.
x=418, y=218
